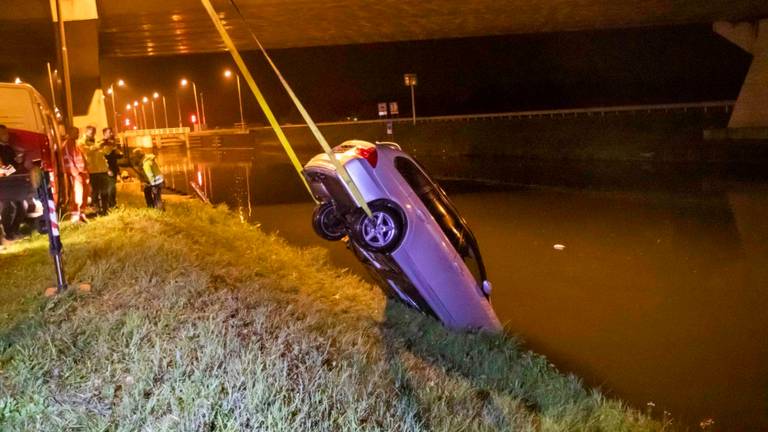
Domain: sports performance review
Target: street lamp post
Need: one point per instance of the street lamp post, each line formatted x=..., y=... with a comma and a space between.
x=144, y=101
x=411, y=80
x=136, y=114
x=127, y=115
x=228, y=74
x=113, y=92
x=53, y=92
x=184, y=83
x=155, y=95
x=165, y=112
x=203, y=123
x=178, y=108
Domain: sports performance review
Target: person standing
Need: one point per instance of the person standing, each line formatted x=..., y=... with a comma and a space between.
x=96, y=163
x=75, y=167
x=112, y=155
x=151, y=178
x=11, y=210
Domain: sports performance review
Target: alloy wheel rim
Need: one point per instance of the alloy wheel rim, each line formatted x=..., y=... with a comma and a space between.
x=379, y=230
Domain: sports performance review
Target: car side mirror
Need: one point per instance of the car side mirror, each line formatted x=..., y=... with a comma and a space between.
x=487, y=287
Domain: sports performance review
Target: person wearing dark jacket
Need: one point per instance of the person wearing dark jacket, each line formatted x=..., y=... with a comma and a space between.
x=96, y=164
x=112, y=155
x=11, y=211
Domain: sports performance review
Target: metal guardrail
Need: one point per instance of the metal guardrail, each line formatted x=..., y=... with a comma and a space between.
x=725, y=106
x=155, y=132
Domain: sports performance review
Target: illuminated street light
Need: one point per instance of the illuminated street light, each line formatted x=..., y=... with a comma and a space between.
x=228, y=74
x=127, y=107
x=112, y=91
x=184, y=83
x=18, y=80
x=135, y=114
x=155, y=95
x=144, y=101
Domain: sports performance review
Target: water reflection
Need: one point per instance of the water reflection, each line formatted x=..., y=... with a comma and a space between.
x=656, y=297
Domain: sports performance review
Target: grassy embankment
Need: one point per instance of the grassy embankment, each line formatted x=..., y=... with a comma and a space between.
x=197, y=321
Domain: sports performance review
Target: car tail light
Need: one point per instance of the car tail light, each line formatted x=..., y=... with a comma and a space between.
x=369, y=154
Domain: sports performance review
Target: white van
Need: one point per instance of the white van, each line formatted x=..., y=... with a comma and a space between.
x=33, y=132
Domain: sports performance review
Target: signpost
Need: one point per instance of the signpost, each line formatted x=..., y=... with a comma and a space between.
x=382, y=109
x=411, y=80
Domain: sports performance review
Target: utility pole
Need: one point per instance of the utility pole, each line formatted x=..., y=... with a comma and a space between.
x=53, y=92
x=165, y=112
x=178, y=107
x=203, y=123
x=65, y=65
x=197, y=106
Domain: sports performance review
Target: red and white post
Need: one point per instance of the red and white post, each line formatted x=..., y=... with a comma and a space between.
x=51, y=219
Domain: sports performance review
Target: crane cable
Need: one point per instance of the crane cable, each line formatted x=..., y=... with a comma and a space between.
x=343, y=173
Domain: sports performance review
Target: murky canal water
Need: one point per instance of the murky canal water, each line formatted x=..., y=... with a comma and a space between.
x=657, y=298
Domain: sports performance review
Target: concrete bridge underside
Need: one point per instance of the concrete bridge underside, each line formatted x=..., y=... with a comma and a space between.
x=139, y=28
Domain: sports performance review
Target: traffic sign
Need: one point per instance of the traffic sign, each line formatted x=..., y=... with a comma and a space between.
x=393, y=110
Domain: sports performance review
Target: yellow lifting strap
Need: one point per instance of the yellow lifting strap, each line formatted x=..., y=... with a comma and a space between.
x=356, y=195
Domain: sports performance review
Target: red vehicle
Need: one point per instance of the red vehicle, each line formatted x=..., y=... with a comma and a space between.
x=33, y=133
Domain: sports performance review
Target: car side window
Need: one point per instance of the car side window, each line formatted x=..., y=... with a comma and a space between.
x=443, y=212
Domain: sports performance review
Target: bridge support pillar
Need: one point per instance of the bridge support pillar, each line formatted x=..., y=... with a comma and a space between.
x=751, y=109
x=81, y=27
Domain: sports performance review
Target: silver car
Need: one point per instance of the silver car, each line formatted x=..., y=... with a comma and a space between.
x=415, y=244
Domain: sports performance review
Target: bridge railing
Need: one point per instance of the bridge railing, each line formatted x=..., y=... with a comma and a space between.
x=722, y=106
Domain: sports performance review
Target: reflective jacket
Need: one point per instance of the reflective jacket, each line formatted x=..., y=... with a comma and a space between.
x=152, y=170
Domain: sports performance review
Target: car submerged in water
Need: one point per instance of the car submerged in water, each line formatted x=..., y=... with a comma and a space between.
x=415, y=244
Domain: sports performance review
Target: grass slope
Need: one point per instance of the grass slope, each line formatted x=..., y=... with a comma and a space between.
x=197, y=322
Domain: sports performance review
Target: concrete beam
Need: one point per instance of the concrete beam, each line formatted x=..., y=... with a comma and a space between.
x=751, y=109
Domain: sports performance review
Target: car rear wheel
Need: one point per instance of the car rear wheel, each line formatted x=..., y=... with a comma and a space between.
x=382, y=231
x=327, y=222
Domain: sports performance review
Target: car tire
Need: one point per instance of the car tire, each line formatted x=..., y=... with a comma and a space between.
x=327, y=223
x=381, y=232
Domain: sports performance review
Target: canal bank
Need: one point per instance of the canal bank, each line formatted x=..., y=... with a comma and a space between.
x=198, y=321
x=658, y=297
